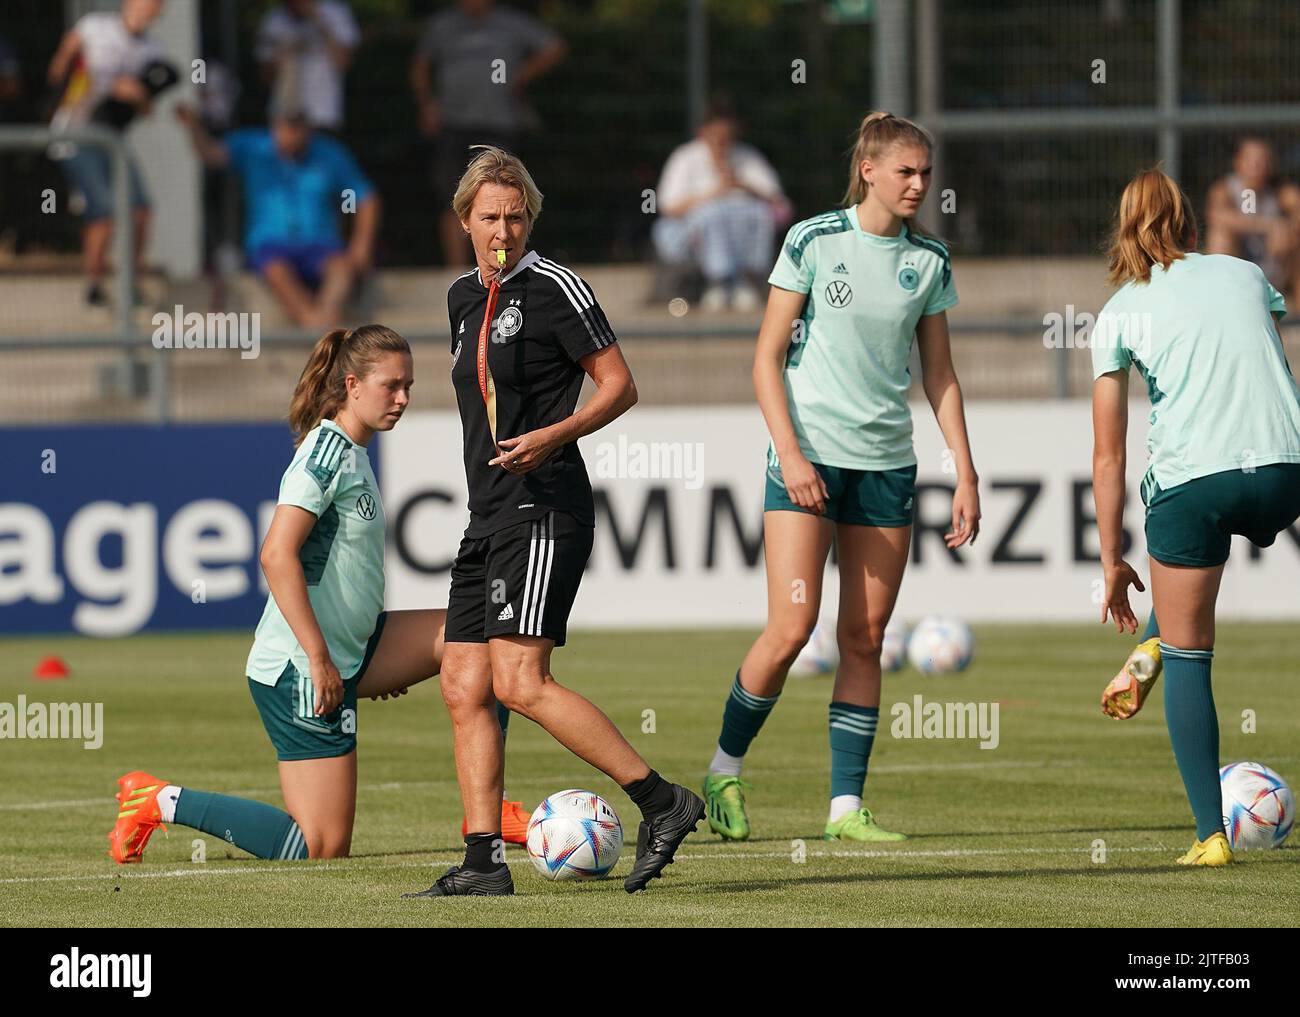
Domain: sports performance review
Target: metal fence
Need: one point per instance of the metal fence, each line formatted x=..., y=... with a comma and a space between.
x=1036, y=139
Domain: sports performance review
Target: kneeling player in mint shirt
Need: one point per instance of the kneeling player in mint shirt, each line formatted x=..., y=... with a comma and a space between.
x=859, y=284
x=1224, y=459
x=324, y=639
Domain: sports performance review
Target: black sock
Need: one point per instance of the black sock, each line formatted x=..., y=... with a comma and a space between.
x=479, y=849
x=651, y=794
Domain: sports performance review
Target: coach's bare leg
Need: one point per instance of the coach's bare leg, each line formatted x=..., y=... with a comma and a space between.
x=293, y=296
x=409, y=651
x=872, y=560
x=1184, y=598
x=321, y=796
x=795, y=545
x=480, y=752
x=523, y=683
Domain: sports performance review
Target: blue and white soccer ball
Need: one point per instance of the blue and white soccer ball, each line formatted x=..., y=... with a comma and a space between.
x=820, y=655
x=574, y=835
x=1258, y=807
x=940, y=645
x=893, y=647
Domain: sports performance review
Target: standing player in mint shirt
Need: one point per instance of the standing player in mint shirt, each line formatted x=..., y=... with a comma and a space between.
x=324, y=638
x=858, y=284
x=1224, y=452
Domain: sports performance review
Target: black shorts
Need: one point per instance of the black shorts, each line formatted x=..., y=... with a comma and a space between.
x=519, y=581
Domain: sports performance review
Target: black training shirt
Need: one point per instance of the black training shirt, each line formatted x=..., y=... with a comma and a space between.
x=546, y=320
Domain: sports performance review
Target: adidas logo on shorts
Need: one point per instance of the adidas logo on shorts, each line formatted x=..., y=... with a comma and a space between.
x=507, y=613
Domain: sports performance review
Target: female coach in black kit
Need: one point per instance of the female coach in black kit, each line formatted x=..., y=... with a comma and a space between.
x=524, y=330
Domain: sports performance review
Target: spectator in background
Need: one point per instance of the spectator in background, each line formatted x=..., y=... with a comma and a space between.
x=1252, y=214
x=103, y=59
x=476, y=101
x=719, y=202
x=305, y=48
x=11, y=93
x=11, y=81
x=296, y=183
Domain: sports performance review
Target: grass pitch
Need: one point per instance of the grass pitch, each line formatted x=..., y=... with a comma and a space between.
x=1011, y=835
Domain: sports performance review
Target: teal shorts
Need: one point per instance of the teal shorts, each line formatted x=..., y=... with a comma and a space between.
x=287, y=710
x=1193, y=523
x=857, y=497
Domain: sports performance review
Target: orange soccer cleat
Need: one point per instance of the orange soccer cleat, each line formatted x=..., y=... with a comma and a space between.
x=137, y=818
x=514, y=823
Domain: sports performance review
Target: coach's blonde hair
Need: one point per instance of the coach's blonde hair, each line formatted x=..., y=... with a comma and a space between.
x=322, y=386
x=1155, y=226
x=879, y=132
x=496, y=166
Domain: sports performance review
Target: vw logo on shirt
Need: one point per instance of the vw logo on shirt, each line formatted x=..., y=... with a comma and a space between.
x=838, y=293
x=366, y=507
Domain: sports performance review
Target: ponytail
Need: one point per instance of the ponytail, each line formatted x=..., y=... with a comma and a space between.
x=1155, y=225
x=322, y=386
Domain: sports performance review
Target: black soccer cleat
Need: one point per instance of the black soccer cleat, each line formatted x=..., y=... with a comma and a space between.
x=460, y=882
x=657, y=840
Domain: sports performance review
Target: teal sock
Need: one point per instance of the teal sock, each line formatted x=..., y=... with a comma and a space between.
x=258, y=828
x=743, y=716
x=853, y=730
x=1152, y=628
x=1194, y=732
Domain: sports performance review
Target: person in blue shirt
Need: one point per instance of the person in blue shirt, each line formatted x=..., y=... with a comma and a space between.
x=296, y=183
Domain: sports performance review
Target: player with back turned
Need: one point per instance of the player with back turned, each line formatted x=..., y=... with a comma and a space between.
x=1225, y=460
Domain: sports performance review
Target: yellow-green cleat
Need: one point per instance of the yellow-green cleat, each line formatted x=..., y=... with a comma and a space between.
x=1213, y=851
x=860, y=826
x=724, y=803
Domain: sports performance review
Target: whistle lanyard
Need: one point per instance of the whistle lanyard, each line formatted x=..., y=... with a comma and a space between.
x=487, y=388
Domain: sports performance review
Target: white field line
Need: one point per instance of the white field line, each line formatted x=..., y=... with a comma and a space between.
x=433, y=860
x=567, y=780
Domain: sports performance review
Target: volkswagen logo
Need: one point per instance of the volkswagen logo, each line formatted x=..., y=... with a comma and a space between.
x=838, y=293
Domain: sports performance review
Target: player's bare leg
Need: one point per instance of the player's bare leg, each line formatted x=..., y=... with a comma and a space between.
x=795, y=545
x=409, y=651
x=872, y=561
x=1184, y=599
x=321, y=795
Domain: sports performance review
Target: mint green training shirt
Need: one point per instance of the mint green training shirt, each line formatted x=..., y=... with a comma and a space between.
x=1202, y=335
x=846, y=376
x=342, y=558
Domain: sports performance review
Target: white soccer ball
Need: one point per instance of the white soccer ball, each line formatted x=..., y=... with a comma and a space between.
x=574, y=835
x=820, y=655
x=893, y=647
x=940, y=645
x=1258, y=807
